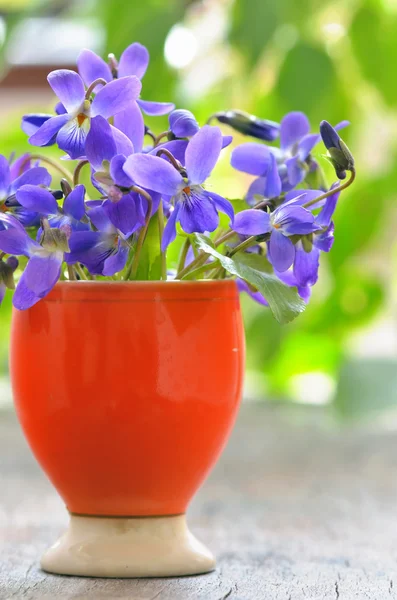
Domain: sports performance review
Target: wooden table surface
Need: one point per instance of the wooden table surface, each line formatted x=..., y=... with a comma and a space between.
x=296, y=508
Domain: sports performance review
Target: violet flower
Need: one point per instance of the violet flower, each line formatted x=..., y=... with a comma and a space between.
x=288, y=219
x=11, y=180
x=107, y=150
x=296, y=144
x=103, y=252
x=41, y=202
x=45, y=260
x=71, y=128
x=183, y=123
x=133, y=61
x=194, y=207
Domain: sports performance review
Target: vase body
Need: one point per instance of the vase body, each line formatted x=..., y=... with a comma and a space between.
x=127, y=392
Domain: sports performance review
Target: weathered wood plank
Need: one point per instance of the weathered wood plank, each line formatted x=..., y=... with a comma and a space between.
x=296, y=509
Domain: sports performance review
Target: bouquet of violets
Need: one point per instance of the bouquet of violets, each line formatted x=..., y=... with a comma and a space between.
x=151, y=189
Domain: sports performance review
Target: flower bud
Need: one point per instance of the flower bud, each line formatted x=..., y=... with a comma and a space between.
x=7, y=269
x=247, y=124
x=339, y=154
x=183, y=123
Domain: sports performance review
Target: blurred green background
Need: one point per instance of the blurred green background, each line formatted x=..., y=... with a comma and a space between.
x=332, y=60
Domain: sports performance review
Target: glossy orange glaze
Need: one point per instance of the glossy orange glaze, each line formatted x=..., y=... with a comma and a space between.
x=127, y=391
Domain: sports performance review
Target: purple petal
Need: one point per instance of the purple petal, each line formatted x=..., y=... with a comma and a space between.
x=73, y=204
x=153, y=173
x=176, y=147
x=91, y=67
x=115, y=96
x=72, y=137
x=325, y=240
x=198, y=215
x=202, y=153
x=123, y=143
x=69, y=88
x=100, y=144
x=81, y=243
x=281, y=251
x=5, y=177
x=257, y=188
x=257, y=296
x=293, y=219
x=295, y=172
x=14, y=239
x=31, y=123
x=306, y=266
x=42, y=272
x=155, y=109
x=342, y=125
x=223, y=205
x=252, y=222
x=37, y=199
x=48, y=130
x=169, y=233
x=226, y=141
x=35, y=176
x=60, y=109
x=273, y=181
x=130, y=122
x=183, y=123
x=100, y=219
x=123, y=214
x=116, y=261
x=252, y=158
x=301, y=197
x=133, y=61
x=23, y=296
x=293, y=127
x=117, y=171
x=324, y=217
x=20, y=165
x=27, y=218
x=306, y=145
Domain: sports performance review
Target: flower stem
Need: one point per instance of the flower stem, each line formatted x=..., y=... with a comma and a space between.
x=175, y=163
x=80, y=272
x=71, y=273
x=333, y=191
x=135, y=262
x=193, y=274
x=246, y=244
x=76, y=173
x=99, y=81
x=182, y=258
x=49, y=161
x=202, y=257
x=161, y=231
x=160, y=137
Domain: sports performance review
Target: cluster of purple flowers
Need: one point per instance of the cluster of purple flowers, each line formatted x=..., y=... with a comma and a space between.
x=59, y=233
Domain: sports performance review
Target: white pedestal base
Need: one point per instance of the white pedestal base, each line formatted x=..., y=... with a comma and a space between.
x=136, y=547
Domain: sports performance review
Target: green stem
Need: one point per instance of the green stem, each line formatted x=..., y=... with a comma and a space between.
x=182, y=258
x=80, y=272
x=175, y=163
x=76, y=174
x=202, y=257
x=246, y=244
x=135, y=262
x=160, y=213
x=71, y=273
x=160, y=137
x=93, y=85
x=48, y=161
x=333, y=191
x=193, y=274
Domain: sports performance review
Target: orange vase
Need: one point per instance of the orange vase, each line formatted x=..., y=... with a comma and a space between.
x=127, y=393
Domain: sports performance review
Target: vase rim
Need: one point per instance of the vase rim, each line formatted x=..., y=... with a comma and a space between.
x=130, y=291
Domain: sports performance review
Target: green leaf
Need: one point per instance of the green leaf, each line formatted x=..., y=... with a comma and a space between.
x=284, y=301
x=150, y=258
